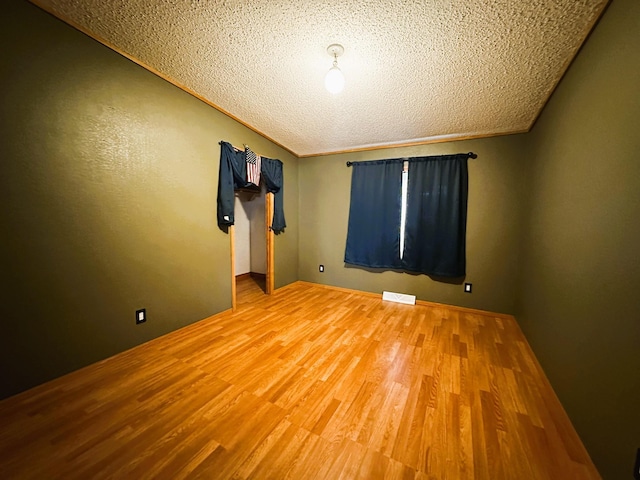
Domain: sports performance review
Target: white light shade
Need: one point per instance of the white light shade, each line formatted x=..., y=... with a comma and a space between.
x=334, y=81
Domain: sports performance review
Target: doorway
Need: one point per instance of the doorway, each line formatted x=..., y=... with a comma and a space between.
x=252, y=255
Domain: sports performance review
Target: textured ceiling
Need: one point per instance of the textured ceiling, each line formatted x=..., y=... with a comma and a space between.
x=416, y=72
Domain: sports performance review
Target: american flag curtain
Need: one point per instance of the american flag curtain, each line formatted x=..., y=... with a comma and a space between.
x=232, y=175
x=253, y=166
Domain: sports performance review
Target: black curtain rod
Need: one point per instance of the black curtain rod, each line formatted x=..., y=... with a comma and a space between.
x=244, y=144
x=470, y=155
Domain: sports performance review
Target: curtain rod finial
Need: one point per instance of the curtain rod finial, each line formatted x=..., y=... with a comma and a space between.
x=349, y=164
x=472, y=155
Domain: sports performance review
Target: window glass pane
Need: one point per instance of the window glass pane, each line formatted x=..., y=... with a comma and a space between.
x=403, y=211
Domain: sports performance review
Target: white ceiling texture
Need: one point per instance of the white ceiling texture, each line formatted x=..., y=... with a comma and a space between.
x=416, y=71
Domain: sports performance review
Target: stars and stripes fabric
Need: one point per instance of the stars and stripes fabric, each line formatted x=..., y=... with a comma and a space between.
x=253, y=166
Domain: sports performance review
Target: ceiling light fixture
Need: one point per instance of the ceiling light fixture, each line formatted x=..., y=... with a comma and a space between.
x=334, y=81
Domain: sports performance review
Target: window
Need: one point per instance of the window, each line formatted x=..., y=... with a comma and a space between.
x=409, y=215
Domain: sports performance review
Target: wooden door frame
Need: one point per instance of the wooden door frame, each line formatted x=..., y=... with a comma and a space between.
x=268, y=219
x=270, y=276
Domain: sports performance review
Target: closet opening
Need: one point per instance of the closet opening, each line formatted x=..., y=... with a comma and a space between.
x=252, y=243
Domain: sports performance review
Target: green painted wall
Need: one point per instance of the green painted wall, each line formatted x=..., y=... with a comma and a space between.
x=580, y=292
x=107, y=202
x=494, y=224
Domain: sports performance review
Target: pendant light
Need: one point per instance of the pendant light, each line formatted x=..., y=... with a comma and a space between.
x=334, y=81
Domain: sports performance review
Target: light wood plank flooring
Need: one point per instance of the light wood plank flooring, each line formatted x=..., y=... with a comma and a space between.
x=309, y=383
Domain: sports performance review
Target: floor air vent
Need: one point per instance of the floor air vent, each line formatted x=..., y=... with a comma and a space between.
x=399, y=298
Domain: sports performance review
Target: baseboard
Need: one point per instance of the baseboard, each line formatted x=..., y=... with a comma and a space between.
x=259, y=276
x=423, y=303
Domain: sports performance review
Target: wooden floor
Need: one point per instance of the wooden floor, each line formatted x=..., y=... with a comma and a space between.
x=308, y=383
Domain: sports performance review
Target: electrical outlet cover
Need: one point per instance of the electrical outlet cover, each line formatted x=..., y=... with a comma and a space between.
x=141, y=315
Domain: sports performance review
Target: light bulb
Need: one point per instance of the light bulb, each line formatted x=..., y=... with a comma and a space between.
x=334, y=81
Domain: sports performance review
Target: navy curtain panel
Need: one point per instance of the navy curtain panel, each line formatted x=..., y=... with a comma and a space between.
x=273, y=176
x=373, y=237
x=436, y=221
x=233, y=174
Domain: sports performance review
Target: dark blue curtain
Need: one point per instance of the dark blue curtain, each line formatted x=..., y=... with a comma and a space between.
x=273, y=177
x=373, y=237
x=233, y=175
x=436, y=222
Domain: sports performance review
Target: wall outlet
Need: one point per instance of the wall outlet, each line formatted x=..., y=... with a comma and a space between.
x=468, y=287
x=636, y=470
x=321, y=268
x=141, y=316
